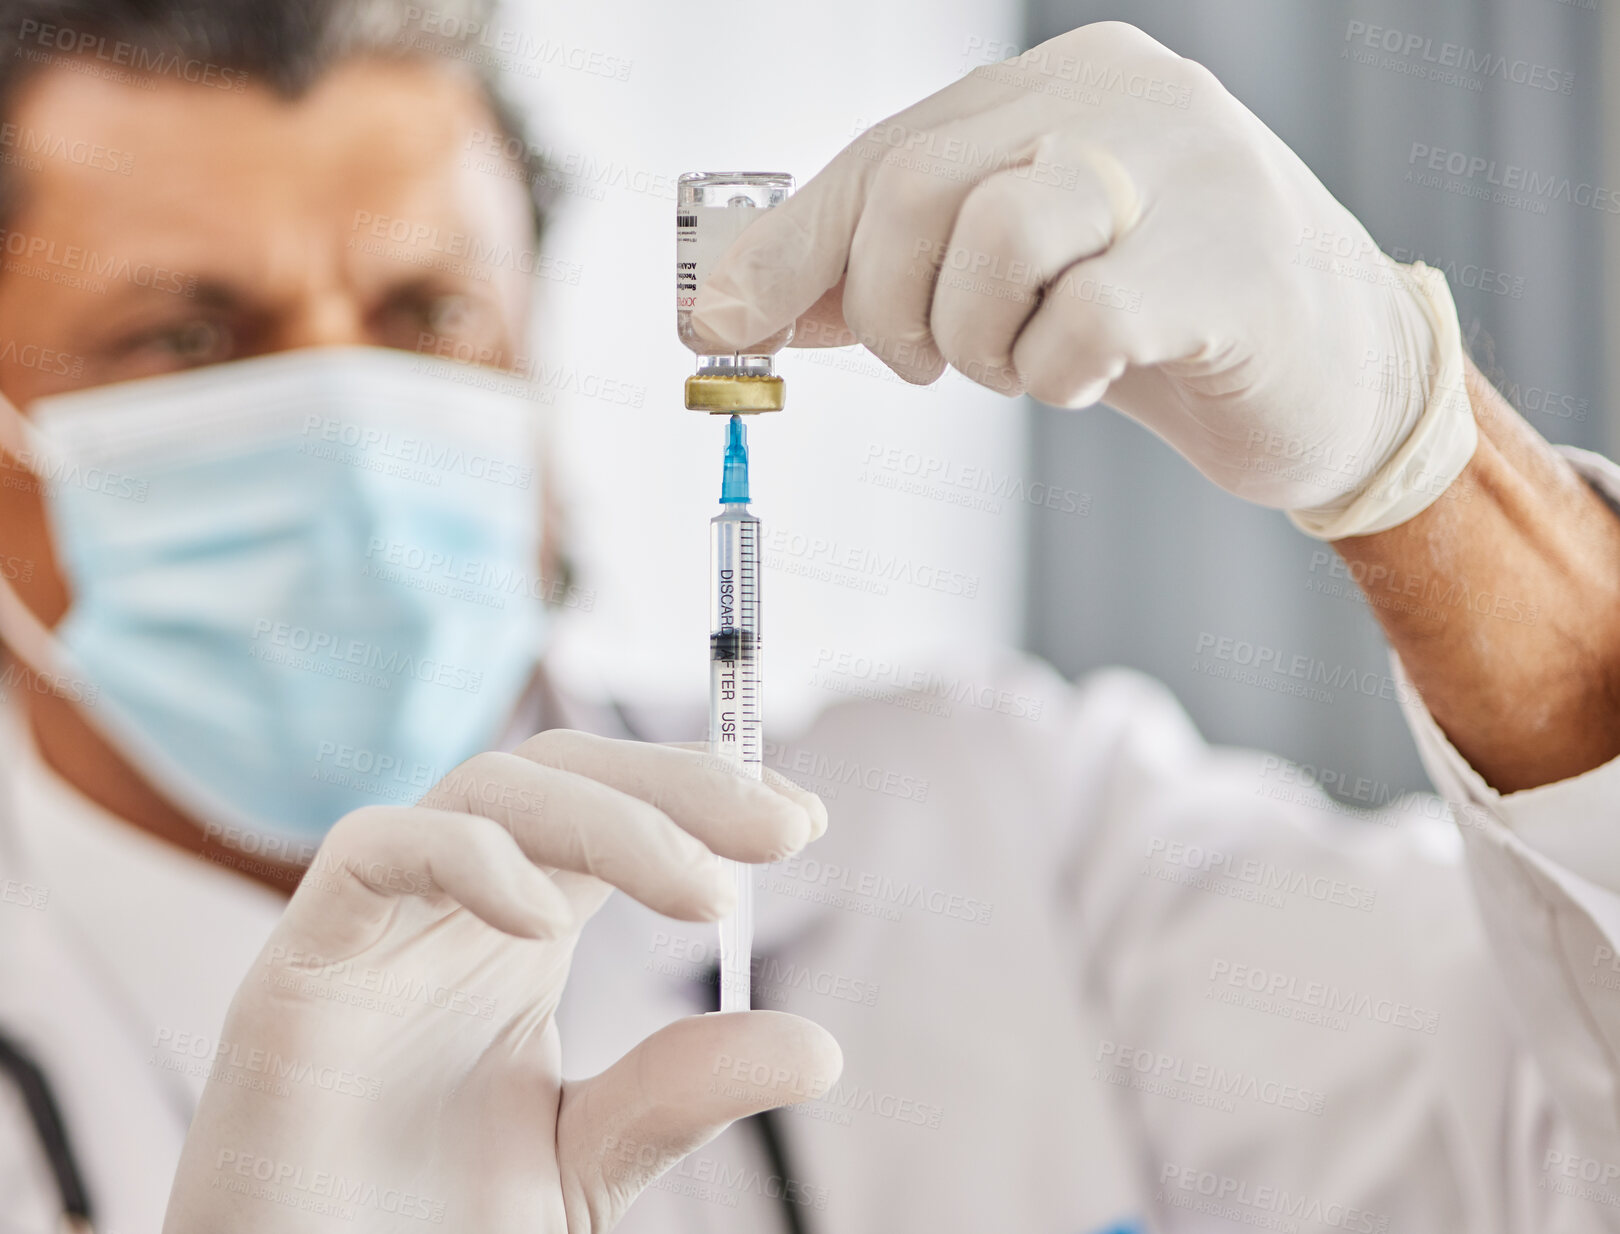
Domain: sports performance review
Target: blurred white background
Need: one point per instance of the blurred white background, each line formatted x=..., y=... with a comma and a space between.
x=655, y=90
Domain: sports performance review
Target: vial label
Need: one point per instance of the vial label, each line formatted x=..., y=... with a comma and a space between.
x=702, y=235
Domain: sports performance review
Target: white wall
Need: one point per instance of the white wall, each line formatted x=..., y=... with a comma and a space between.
x=660, y=89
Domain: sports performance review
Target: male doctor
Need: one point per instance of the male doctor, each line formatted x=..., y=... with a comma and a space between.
x=1095, y=977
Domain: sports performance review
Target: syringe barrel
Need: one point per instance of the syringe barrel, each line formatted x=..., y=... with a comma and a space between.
x=735, y=639
x=736, y=728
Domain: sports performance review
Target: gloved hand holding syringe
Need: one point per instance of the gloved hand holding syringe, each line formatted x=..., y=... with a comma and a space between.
x=711, y=211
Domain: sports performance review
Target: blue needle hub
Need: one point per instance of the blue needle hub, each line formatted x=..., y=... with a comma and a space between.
x=734, y=478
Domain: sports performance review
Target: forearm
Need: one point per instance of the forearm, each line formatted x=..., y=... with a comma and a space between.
x=1513, y=633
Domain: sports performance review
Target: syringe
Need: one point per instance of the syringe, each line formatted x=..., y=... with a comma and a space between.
x=735, y=725
x=711, y=210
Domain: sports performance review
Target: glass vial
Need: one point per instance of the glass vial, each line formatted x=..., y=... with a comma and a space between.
x=711, y=210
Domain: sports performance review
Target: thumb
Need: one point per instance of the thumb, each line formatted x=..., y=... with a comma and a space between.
x=675, y=1092
x=786, y=259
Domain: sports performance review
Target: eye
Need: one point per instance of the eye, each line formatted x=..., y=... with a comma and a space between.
x=171, y=346
x=452, y=315
x=196, y=342
x=455, y=316
x=442, y=321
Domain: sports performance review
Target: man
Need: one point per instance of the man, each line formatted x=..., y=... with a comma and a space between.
x=1119, y=985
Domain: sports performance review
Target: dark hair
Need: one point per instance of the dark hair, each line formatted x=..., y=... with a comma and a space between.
x=283, y=45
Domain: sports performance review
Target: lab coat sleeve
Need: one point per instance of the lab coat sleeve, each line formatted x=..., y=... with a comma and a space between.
x=1545, y=864
x=1300, y=996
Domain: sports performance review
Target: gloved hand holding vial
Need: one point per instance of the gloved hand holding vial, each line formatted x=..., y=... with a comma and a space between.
x=712, y=209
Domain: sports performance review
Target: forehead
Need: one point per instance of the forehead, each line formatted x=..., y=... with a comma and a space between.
x=163, y=151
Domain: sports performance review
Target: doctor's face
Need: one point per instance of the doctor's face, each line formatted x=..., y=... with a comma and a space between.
x=158, y=225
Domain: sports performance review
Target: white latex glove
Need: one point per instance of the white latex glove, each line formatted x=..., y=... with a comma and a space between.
x=404, y=1004
x=1099, y=219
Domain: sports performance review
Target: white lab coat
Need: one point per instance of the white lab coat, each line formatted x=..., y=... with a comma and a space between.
x=1082, y=965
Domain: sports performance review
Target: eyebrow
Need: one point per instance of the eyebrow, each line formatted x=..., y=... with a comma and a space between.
x=227, y=296
x=158, y=281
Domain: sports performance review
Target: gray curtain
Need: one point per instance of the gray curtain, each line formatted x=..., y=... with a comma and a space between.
x=1164, y=564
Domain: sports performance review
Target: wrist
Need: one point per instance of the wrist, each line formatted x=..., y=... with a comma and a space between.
x=1509, y=624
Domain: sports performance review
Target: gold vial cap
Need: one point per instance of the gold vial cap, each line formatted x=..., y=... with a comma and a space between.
x=737, y=395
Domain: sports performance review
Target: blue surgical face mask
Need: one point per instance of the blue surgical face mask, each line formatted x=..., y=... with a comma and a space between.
x=300, y=584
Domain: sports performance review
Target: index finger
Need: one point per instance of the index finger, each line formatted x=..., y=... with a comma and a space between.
x=746, y=820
